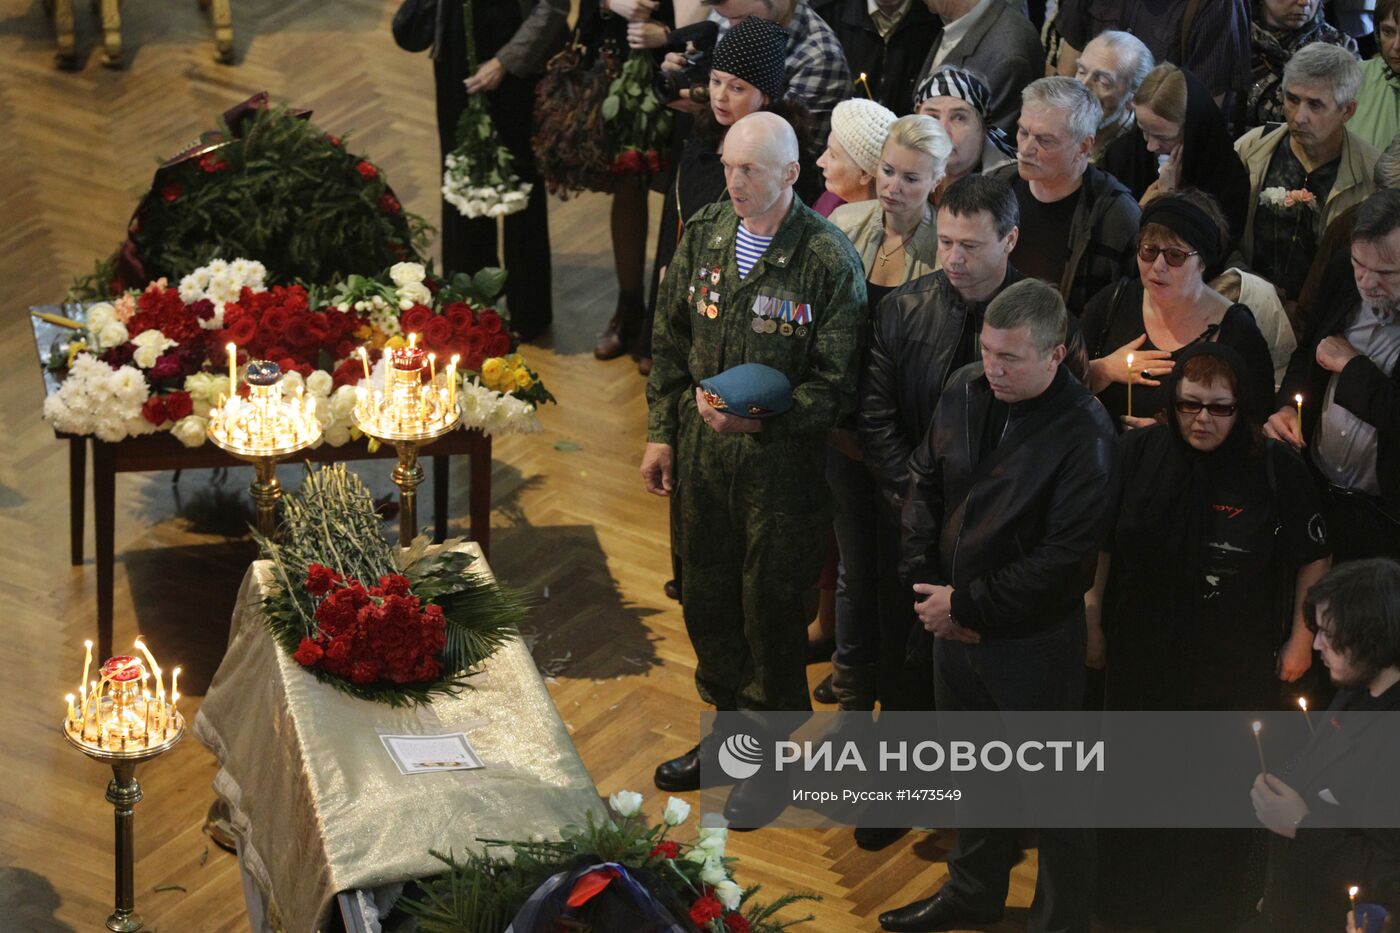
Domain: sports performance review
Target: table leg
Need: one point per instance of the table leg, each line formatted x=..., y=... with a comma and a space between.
x=67, y=55
x=104, y=505
x=441, y=465
x=77, y=497
x=481, y=493
x=110, y=12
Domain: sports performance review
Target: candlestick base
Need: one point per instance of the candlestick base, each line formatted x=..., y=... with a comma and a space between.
x=409, y=473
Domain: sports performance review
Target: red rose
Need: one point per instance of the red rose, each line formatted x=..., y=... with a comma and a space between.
x=320, y=579
x=737, y=923
x=154, y=410
x=167, y=366
x=389, y=204
x=275, y=321
x=367, y=171
x=498, y=345
x=705, y=909
x=178, y=405
x=666, y=848
x=211, y=163
x=459, y=315
x=348, y=373
x=333, y=140
x=241, y=332
x=628, y=163
x=297, y=333
x=438, y=332
x=654, y=163
x=318, y=328
x=415, y=319
x=171, y=192
x=490, y=321
x=308, y=653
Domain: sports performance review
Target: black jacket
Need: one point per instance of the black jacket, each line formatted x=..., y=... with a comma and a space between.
x=1362, y=388
x=1017, y=533
x=1355, y=762
x=891, y=65
x=922, y=333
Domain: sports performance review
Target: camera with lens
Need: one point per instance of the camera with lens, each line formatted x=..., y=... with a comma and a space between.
x=695, y=43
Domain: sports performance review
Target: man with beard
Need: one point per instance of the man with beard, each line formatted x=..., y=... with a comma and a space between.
x=1346, y=375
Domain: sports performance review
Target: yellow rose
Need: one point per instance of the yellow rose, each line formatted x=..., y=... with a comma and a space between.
x=515, y=360
x=523, y=379
x=491, y=372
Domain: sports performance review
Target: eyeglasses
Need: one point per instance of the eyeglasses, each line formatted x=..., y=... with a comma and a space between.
x=1215, y=409
x=1175, y=257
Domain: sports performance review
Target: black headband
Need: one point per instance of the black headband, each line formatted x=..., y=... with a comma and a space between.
x=1187, y=221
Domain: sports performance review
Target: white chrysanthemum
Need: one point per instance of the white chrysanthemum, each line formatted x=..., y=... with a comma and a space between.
x=126, y=385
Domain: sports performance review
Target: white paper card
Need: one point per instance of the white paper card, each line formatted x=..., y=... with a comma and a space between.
x=416, y=754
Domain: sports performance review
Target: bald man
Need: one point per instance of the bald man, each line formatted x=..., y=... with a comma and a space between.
x=759, y=278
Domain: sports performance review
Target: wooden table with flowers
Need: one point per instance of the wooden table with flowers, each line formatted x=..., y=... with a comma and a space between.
x=144, y=378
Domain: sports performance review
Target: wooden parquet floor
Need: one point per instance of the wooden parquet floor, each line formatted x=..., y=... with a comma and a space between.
x=77, y=150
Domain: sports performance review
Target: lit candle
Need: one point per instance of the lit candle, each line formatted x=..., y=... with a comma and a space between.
x=1351, y=894
x=72, y=713
x=1299, y=399
x=155, y=668
x=232, y=370
x=412, y=340
x=1130, y=385
x=174, y=679
x=146, y=701
x=432, y=369
x=364, y=358
x=87, y=662
x=1259, y=745
x=452, y=381
x=170, y=718
x=1303, y=705
x=865, y=84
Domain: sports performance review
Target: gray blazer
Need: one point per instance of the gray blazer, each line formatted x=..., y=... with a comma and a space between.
x=1004, y=48
x=543, y=30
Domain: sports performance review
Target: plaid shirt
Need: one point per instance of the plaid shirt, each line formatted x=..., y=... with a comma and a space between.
x=817, y=75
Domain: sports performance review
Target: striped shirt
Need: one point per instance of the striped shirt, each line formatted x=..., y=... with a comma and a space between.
x=748, y=248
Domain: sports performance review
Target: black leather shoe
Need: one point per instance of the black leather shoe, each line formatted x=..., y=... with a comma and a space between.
x=683, y=772
x=673, y=589
x=755, y=802
x=875, y=838
x=933, y=913
x=823, y=693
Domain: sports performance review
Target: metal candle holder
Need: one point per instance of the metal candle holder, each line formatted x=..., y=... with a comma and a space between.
x=123, y=728
x=408, y=413
x=264, y=429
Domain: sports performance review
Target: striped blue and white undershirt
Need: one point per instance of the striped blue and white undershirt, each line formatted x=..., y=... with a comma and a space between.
x=748, y=247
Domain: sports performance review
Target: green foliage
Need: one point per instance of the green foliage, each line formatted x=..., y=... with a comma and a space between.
x=331, y=521
x=638, y=123
x=284, y=194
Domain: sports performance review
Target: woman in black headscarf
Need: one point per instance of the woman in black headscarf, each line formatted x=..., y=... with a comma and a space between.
x=1166, y=309
x=1198, y=605
x=1183, y=142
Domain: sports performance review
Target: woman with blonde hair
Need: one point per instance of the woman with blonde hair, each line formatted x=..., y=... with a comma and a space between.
x=895, y=237
x=1183, y=142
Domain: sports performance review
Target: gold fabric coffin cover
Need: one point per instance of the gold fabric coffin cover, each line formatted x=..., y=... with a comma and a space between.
x=320, y=806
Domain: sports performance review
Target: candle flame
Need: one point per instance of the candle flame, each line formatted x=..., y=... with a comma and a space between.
x=1298, y=399
x=412, y=340
x=1303, y=702
x=1256, y=726
x=862, y=76
x=1353, y=891
x=87, y=643
x=1130, y=359
x=69, y=697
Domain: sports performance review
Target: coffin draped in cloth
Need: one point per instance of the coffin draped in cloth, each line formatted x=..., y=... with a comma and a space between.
x=319, y=805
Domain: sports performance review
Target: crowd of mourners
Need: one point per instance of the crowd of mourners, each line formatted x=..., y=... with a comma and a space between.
x=1088, y=313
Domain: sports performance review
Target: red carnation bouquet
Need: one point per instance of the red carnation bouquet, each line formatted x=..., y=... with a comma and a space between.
x=418, y=629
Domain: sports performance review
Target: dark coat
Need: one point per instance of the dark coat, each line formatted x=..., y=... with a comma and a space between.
x=1003, y=47
x=1017, y=536
x=1362, y=388
x=891, y=65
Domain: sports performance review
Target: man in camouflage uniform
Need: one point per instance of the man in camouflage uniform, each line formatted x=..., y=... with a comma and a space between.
x=752, y=497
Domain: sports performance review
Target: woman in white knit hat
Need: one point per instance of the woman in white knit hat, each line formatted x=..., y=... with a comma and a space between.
x=852, y=156
x=895, y=237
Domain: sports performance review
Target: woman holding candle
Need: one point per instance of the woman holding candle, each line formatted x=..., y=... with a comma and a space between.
x=1217, y=626
x=1168, y=309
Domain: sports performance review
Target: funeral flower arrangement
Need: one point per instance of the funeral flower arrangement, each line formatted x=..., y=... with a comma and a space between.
x=155, y=358
x=371, y=620
x=545, y=885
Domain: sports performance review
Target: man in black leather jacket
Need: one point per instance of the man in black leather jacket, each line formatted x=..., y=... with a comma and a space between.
x=1010, y=496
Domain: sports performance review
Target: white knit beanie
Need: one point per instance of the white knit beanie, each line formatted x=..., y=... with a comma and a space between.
x=861, y=126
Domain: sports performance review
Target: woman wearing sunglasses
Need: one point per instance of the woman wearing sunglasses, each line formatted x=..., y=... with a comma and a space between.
x=1168, y=308
x=1219, y=626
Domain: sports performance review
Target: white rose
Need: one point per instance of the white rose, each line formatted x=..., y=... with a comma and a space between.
x=291, y=381
x=713, y=872
x=711, y=839
x=677, y=812
x=626, y=803
x=112, y=334
x=100, y=315
x=729, y=894
x=697, y=855
x=407, y=273
x=320, y=383
x=189, y=430
x=343, y=402
x=415, y=292
x=342, y=307
x=337, y=435
x=149, y=345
